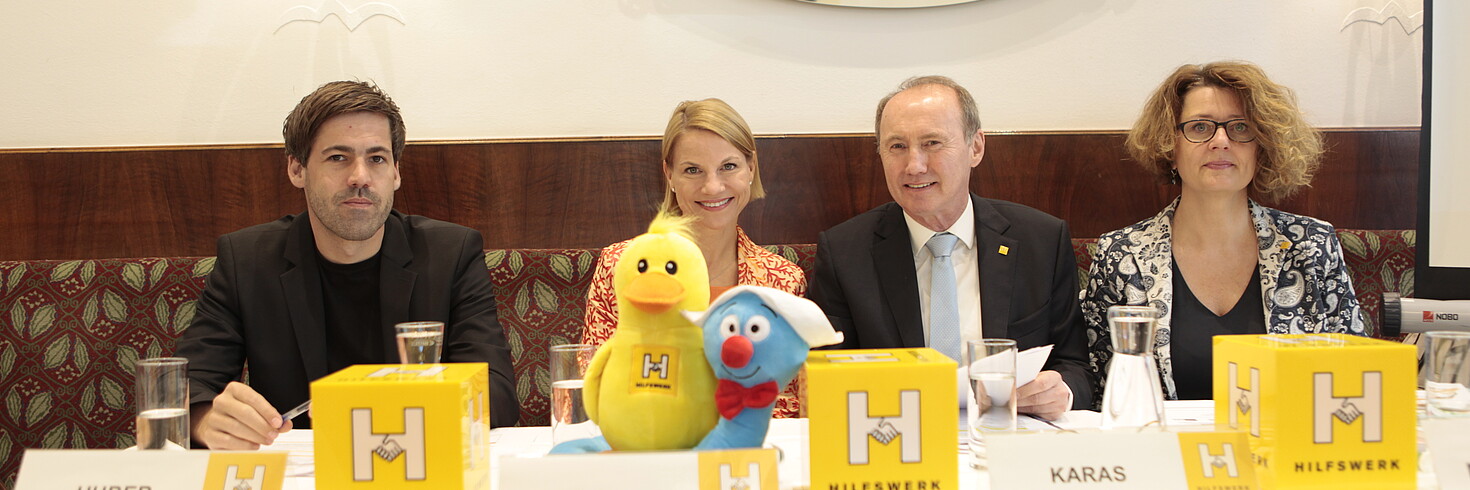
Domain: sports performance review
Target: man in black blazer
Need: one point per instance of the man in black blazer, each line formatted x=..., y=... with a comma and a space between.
x=306, y=295
x=1014, y=274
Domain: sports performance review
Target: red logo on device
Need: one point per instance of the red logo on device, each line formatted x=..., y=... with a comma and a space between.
x=1428, y=317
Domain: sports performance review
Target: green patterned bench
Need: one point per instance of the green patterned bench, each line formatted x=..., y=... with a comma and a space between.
x=71, y=331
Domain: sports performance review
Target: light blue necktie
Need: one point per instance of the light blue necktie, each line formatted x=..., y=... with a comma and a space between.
x=944, y=309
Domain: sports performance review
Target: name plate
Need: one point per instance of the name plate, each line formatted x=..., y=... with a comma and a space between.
x=151, y=470
x=1194, y=460
x=1449, y=450
x=752, y=469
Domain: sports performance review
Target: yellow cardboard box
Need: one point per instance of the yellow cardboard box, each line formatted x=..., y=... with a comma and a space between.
x=881, y=418
x=410, y=426
x=1322, y=410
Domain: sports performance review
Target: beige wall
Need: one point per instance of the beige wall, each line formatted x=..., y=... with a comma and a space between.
x=160, y=72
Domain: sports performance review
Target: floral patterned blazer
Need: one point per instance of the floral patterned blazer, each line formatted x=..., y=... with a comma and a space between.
x=754, y=266
x=1305, y=286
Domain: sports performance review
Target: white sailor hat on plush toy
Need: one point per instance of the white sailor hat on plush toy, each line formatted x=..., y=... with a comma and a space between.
x=805, y=317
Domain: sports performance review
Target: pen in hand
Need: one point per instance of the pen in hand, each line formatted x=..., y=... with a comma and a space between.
x=292, y=413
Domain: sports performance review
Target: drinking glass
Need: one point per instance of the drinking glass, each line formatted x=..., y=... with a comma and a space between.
x=992, y=410
x=1133, y=396
x=569, y=419
x=1448, y=369
x=162, y=397
x=420, y=342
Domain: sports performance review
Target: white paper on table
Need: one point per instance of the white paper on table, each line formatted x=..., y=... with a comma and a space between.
x=1070, y=420
x=301, y=453
x=1028, y=364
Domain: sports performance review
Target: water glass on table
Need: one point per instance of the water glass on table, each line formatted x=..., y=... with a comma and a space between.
x=1448, y=372
x=569, y=419
x=420, y=342
x=162, y=396
x=992, y=406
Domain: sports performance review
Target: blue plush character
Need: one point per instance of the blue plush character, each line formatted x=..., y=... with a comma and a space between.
x=756, y=339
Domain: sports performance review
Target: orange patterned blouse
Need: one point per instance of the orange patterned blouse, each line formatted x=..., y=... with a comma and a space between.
x=756, y=266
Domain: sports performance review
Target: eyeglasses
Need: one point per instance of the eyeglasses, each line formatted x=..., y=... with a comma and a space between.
x=1202, y=130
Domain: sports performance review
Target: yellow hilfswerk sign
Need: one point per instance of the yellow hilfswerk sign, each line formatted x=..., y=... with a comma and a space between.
x=1329, y=410
x=417, y=426
x=1217, y=460
x=882, y=416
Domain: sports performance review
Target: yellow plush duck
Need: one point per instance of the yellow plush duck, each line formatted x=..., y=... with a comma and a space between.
x=649, y=387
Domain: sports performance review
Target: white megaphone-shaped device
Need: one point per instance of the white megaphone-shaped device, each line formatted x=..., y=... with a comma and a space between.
x=1401, y=315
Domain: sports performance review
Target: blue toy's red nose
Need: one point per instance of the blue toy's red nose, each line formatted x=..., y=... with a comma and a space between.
x=736, y=351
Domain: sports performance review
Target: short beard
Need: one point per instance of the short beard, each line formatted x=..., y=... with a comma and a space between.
x=351, y=228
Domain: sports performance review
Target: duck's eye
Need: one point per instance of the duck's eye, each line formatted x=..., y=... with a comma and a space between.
x=671, y=267
x=642, y=266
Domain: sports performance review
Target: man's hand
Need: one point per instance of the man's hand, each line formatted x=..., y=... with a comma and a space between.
x=239, y=418
x=1046, y=396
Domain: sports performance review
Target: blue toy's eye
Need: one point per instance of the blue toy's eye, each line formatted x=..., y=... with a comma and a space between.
x=642, y=266
x=729, y=326
x=757, y=328
x=671, y=267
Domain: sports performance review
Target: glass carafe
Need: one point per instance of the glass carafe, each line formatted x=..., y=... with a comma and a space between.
x=1132, y=396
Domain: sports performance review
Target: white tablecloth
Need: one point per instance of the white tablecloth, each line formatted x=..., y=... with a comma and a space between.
x=787, y=434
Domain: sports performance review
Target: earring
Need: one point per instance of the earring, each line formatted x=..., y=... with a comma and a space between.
x=1174, y=176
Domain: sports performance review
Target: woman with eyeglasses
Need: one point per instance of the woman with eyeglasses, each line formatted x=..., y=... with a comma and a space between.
x=1215, y=261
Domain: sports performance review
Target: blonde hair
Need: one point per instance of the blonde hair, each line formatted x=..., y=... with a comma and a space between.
x=717, y=117
x=1289, y=151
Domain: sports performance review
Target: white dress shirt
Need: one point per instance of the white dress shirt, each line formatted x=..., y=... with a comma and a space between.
x=966, y=271
x=966, y=261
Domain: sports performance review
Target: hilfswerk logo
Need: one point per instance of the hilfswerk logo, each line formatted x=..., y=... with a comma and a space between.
x=659, y=369
x=389, y=446
x=1225, y=460
x=234, y=482
x=750, y=481
x=861, y=426
x=1244, y=401
x=1367, y=407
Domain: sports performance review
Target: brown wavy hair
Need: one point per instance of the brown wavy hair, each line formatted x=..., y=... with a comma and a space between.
x=334, y=99
x=717, y=117
x=1289, y=150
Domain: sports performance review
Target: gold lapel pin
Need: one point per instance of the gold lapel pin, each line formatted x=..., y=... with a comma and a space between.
x=1284, y=244
x=1004, y=250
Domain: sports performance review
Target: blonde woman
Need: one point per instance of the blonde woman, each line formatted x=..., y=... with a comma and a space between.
x=710, y=173
x=1215, y=261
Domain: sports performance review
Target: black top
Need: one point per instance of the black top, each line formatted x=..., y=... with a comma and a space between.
x=354, y=319
x=262, y=305
x=1192, y=327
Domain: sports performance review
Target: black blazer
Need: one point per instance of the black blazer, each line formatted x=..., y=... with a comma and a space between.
x=262, y=304
x=866, y=284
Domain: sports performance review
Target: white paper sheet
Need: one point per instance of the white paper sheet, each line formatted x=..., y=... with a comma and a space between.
x=1028, y=364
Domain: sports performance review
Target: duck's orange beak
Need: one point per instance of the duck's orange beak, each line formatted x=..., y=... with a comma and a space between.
x=654, y=293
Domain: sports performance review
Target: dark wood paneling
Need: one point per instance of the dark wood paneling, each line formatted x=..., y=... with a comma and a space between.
x=136, y=202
